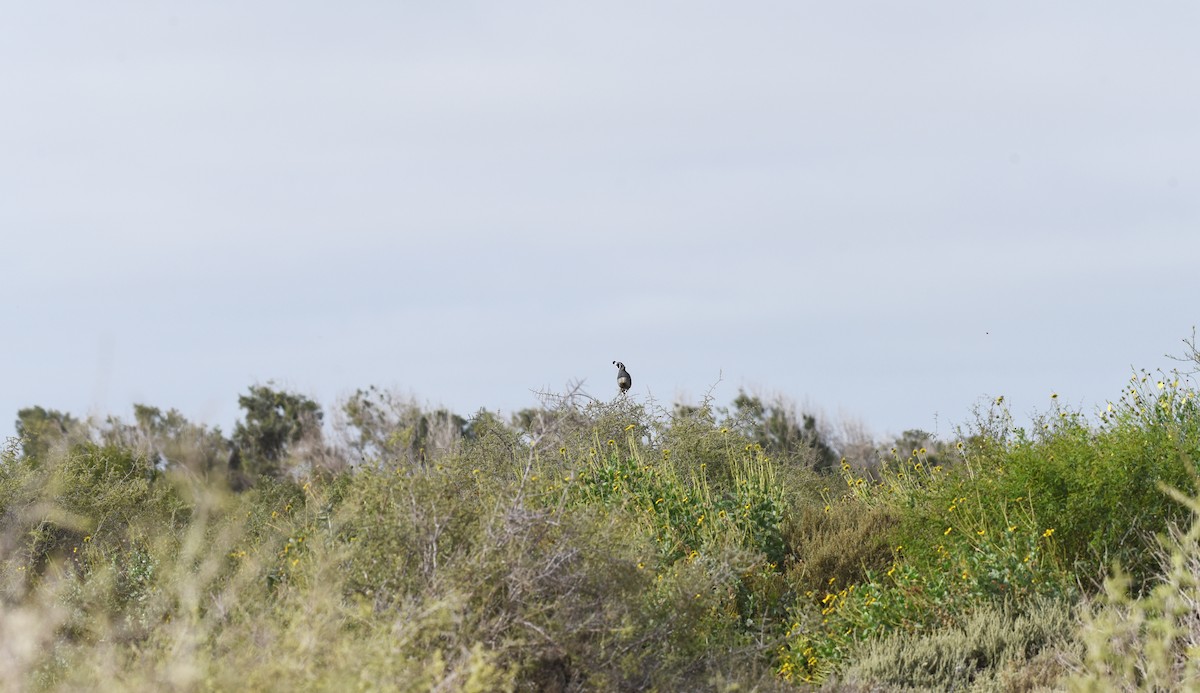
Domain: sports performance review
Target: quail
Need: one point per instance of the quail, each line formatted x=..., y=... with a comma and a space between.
x=624, y=380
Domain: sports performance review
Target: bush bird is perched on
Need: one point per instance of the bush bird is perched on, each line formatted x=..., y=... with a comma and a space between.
x=624, y=381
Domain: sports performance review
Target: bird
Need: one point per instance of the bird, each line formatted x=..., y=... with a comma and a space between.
x=624, y=380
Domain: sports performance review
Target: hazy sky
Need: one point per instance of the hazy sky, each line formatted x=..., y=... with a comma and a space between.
x=885, y=211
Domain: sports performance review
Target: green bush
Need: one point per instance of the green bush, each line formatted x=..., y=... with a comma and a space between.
x=600, y=546
x=63, y=510
x=952, y=546
x=1097, y=490
x=1149, y=642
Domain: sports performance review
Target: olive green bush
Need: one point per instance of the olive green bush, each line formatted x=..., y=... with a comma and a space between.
x=837, y=543
x=590, y=545
x=486, y=567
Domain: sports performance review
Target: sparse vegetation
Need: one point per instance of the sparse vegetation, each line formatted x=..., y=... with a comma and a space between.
x=587, y=545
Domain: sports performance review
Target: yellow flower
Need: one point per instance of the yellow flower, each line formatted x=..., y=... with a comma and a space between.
x=630, y=427
x=1048, y=533
x=948, y=530
x=1000, y=399
x=611, y=442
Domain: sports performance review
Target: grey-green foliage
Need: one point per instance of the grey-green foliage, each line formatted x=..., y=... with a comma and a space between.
x=570, y=600
x=382, y=428
x=995, y=647
x=168, y=439
x=776, y=426
x=40, y=429
x=274, y=421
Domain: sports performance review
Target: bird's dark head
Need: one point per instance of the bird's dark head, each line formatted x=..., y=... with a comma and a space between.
x=619, y=365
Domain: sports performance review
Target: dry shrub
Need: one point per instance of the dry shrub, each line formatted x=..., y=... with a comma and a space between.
x=839, y=541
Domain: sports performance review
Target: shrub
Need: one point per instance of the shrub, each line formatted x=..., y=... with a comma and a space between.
x=600, y=546
x=1151, y=642
x=993, y=646
x=840, y=541
x=1098, y=490
x=952, y=548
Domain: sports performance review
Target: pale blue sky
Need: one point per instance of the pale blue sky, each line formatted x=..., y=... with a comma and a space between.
x=884, y=211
